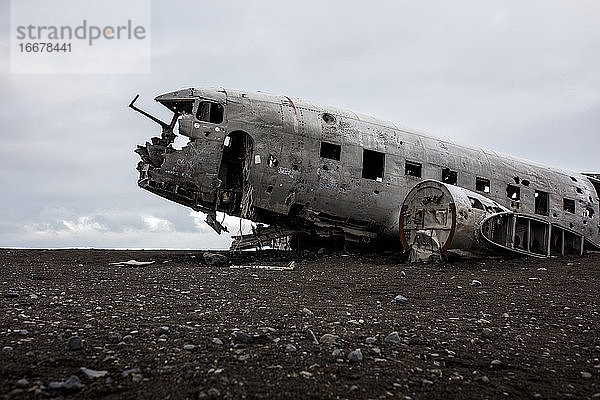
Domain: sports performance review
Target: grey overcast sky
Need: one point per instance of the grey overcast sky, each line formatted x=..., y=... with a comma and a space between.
x=521, y=77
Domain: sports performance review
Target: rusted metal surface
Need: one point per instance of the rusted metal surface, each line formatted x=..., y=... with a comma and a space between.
x=298, y=165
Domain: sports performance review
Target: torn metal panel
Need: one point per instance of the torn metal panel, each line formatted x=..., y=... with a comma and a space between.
x=289, y=267
x=260, y=238
x=211, y=220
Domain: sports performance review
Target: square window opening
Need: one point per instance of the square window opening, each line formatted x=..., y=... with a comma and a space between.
x=413, y=169
x=331, y=151
x=450, y=177
x=373, y=165
x=569, y=205
x=482, y=185
x=542, y=202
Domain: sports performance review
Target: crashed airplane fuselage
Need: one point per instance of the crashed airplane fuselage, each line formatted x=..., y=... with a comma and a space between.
x=329, y=172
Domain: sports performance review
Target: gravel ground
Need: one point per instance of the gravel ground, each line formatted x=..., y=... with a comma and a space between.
x=75, y=326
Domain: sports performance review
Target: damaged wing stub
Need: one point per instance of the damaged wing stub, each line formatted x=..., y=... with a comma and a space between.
x=439, y=220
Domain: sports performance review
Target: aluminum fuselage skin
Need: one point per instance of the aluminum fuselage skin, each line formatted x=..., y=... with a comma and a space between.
x=286, y=172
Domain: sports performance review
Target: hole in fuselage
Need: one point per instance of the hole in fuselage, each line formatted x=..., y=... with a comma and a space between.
x=234, y=168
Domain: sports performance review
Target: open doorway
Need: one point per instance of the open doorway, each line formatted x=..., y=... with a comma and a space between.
x=234, y=192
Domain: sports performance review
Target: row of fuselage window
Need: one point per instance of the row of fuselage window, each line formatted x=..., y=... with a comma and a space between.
x=374, y=163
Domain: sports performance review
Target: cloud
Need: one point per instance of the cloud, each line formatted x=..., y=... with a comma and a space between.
x=518, y=77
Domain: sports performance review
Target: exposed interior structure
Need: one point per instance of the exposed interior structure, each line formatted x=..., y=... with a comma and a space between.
x=450, y=177
x=412, y=168
x=233, y=173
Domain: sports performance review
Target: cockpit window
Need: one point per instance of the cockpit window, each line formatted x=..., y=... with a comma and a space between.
x=179, y=106
x=210, y=112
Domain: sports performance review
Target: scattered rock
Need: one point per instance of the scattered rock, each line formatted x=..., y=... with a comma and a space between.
x=392, y=338
x=402, y=274
x=115, y=337
x=213, y=393
x=242, y=337
x=189, y=347
x=313, y=337
x=74, y=343
x=400, y=299
x=337, y=353
x=130, y=372
x=519, y=339
x=329, y=339
x=307, y=312
x=290, y=348
x=56, y=385
x=305, y=374
x=586, y=375
x=217, y=341
x=162, y=330
x=355, y=356
x=92, y=374
x=486, y=333
x=215, y=260
x=22, y=332
x=496, y=363
x=22, y=383
x=7, y=349
x=322, y=251
x=475, y=283
x=370, y=340
x=73, y=384
x=33, y=296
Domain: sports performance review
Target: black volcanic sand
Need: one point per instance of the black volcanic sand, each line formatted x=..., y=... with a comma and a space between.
x=529, y=331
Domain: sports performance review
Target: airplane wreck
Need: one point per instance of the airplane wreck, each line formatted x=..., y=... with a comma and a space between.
x=319, y=172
